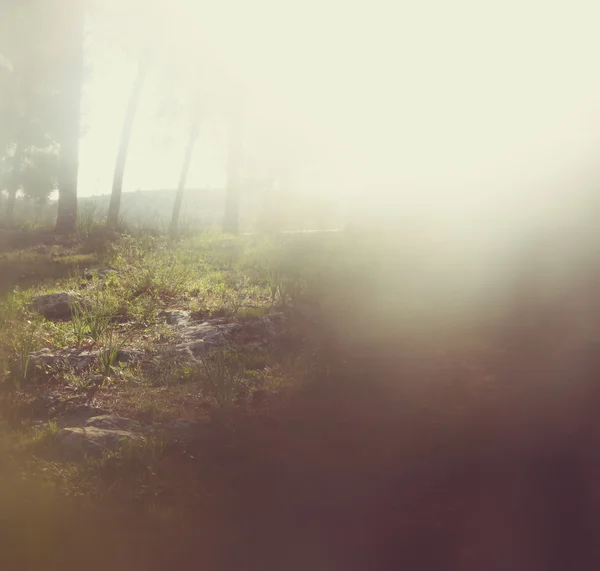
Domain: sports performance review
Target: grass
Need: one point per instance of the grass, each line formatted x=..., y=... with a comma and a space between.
x=223, y=371
x=368, y=392
x=87, y=219
x=127, y=474
x=80, y=324
x=110, y=351
x=23, y=347
x=210, y=275
x=43, y=437
x=26, y=269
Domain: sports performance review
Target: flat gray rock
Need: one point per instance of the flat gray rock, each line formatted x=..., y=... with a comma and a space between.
x=77, y=443
x=113, y=422
x=79, y=360
x=179, y=317
x=57, y=305
x=130, y=355
x=197, y=338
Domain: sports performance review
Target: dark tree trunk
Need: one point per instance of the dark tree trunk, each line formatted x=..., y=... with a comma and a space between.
x=185, y=167
x=232, y=198
x=69, y=113
x=112, y=220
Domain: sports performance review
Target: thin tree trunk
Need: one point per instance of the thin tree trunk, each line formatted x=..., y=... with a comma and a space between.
x=231, y=219
x=13, y=184
x=10, y=204
x=185, y=167
x=70, y=113
x=112, y=220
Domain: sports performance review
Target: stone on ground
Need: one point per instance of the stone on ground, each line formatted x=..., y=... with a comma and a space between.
x=198, y=337
x=113, y=422
x=57, y=305
x=78, y=415
x=77, y=443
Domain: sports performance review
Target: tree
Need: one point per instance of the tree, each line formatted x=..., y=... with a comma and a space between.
x=234, y=174
x=39, y=174
x=27, y=102
x=115, y=197
x=31, y=170
x=13, y=181
x=185, y=167
x=138, y=37
x=71, y=13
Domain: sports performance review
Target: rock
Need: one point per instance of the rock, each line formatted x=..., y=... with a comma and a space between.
x=42, y=357
x=198, y=337
x=130, y=355
x=261, y=330
x=113, y=422
x=83, y=360
x=78, y=359
x=214, y=330
x=178, y=317
x=77, y=416
x=89, y=431
x=57, y=305
x=79, y=442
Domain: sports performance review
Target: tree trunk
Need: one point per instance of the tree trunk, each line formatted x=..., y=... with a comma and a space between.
x=10, y=204
x=112, y=220
x=185, y=167
x=69, y=112
x=13, y=184
x=231, y=219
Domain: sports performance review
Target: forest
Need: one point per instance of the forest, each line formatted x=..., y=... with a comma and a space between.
x=250, y=320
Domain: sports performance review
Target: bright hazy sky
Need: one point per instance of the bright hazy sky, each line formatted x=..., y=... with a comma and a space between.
x=458, y=102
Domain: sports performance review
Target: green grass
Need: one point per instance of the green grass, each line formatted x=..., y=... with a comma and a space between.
x=210, y=276
x=355, y=329
x=43, y=437
x=23, y=346
x=223, y=373
x=111, y=346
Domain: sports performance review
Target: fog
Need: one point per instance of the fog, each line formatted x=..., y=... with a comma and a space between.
x=421, y=380
x=475, y=115
x=457, y=107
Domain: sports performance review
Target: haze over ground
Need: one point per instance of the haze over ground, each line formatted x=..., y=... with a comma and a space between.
x=460, y=108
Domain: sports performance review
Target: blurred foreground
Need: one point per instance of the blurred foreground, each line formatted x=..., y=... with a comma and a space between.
x=430, y=406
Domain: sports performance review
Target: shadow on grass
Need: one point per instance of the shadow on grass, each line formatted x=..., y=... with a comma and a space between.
x=26, y=269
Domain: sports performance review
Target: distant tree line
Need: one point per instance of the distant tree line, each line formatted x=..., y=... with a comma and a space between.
x=43, y=70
